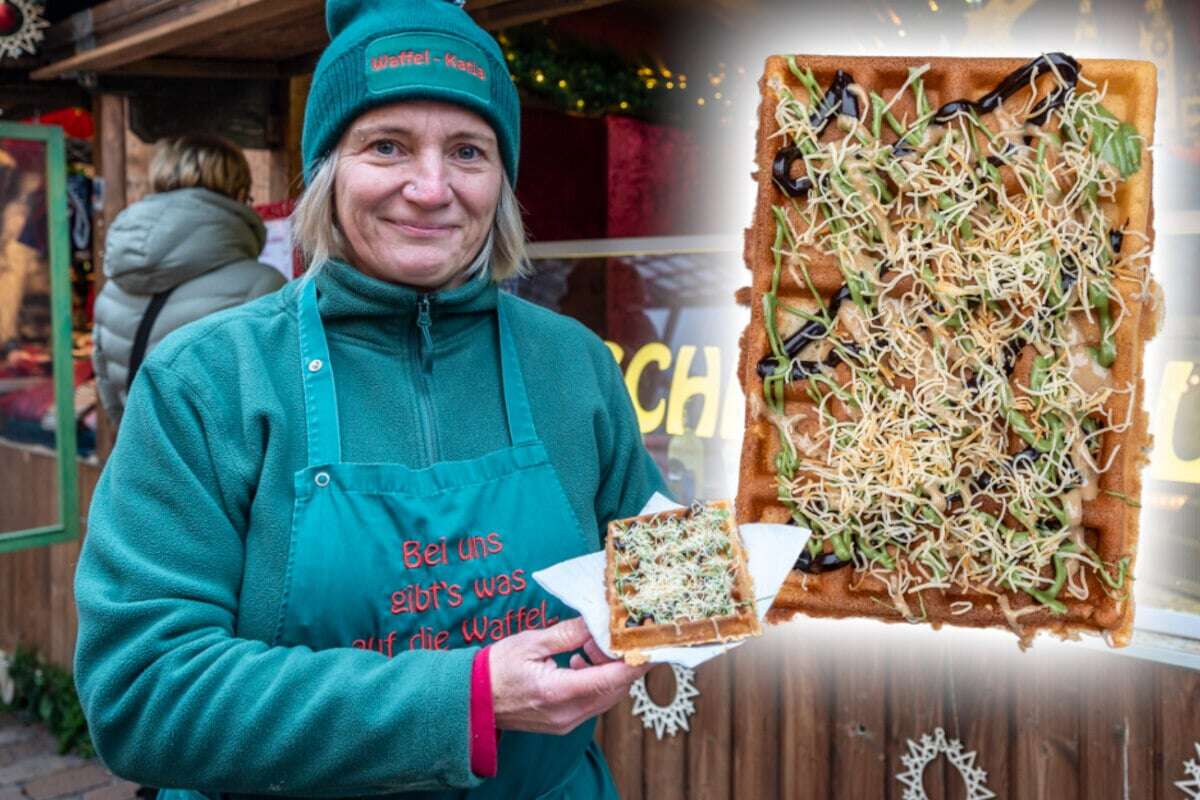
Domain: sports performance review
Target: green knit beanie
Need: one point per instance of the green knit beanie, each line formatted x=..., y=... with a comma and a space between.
x=384, y=51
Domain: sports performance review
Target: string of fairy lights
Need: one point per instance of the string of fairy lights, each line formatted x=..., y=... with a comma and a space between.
x=583, y=79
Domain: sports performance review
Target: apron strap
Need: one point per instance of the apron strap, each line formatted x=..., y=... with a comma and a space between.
x=516, y=401
x=320, y=399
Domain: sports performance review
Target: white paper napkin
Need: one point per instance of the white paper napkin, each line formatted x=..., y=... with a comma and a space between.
x=771, y=551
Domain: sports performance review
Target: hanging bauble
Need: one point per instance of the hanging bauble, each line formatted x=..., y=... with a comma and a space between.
x=21, y=27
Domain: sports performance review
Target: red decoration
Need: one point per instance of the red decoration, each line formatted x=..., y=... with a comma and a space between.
x=652, y=178
x=76, y=122
x=561, y=184
x=10, y=19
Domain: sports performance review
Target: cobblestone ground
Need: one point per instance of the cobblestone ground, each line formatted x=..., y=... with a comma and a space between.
x=32, y=769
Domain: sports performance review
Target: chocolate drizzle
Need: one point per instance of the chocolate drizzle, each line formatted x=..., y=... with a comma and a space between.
x=838, y=98
x=1063, y=64
x=781, y=171
x=822, y=562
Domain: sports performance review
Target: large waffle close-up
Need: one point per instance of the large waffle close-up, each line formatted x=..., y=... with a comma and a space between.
x=943, y=367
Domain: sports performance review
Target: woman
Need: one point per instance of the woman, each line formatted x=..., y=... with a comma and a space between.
x=293, y=585
x=181, y=253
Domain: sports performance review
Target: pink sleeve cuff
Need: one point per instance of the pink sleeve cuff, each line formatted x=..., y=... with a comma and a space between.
x=484, y=736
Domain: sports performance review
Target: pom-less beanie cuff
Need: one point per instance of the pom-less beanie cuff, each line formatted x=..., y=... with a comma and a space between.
x=394, y=50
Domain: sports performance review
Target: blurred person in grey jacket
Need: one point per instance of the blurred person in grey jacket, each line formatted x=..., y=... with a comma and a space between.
x=181, y=253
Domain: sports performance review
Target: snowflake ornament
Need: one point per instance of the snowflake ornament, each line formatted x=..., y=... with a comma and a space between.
x=931, y=746
x=1191, y=786
x=21, y=27
x=673, y=716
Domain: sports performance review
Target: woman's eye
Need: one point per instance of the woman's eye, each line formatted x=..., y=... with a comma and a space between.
x=467, y=152
x=386, y=147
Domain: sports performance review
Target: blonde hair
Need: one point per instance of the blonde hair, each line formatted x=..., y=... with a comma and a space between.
x=199, y=160
x=315, y=232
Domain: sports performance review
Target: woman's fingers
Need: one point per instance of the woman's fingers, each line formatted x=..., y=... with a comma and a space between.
x=561, y=638
x=594, y=653
x=600, y=680
x=531, y=693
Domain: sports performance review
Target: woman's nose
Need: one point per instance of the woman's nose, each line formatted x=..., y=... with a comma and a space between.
x=429, y=184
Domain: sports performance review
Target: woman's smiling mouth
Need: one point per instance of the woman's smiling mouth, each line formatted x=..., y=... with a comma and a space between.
x=421, y=229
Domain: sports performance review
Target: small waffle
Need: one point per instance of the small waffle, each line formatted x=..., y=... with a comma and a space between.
x=632, y=637
x=1109, y=522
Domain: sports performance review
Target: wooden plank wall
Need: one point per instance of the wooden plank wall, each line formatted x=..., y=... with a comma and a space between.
x=825, y=710
x=37, y=601
x=811, y=710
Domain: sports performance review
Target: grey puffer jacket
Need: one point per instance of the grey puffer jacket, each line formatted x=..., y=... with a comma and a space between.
x=200, y=242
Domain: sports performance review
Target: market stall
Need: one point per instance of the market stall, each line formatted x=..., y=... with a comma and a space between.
x=638, y=127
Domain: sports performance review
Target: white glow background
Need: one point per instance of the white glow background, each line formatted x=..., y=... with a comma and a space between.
x=725, y=61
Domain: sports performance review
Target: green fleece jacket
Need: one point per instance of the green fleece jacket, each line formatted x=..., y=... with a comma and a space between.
x=182, y=572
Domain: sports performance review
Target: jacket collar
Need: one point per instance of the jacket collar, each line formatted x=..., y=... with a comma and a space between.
x=356, y=303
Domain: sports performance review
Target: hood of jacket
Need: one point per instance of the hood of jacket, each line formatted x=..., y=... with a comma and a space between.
x=168, y=238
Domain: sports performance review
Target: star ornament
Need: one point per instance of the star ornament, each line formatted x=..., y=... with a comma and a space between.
x=21, y=27
x=931, y=746
x=1191, y=785
x=672, y=717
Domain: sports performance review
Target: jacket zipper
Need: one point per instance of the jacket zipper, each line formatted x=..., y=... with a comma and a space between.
x=424, y=387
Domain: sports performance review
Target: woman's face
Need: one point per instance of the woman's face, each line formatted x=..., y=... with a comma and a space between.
x=415, y=191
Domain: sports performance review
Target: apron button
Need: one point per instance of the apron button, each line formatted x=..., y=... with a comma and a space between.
x=314, y=365
x=322, y=479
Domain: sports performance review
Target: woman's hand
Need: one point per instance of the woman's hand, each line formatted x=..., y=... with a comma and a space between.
x=532, y=693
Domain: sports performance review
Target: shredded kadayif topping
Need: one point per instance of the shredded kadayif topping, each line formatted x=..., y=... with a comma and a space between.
x=906, y=470
x=673, y=569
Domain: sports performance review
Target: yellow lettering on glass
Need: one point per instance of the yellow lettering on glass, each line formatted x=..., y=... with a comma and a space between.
x=654, y=353
x=685, y=386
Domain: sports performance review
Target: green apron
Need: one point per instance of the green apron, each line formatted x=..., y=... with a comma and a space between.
x=389, y=558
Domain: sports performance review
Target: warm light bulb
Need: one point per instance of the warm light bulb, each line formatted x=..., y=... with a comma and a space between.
x=562, y=84
x=539, y=77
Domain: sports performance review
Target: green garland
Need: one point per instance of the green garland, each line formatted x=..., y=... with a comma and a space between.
x=581, y=79
x=47, y=693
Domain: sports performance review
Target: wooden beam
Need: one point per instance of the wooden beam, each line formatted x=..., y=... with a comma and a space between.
x=20, y=98
x=116, y=15
x=300, y=65
x=109, y=113
x=476, y=5
x=298, y=88
x=220, y=69
x=212, y=19
x=519, y=12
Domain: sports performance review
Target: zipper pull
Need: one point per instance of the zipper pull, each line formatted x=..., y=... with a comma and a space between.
x=424, y=320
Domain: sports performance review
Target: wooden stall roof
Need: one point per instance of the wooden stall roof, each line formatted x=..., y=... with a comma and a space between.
x=227, y=38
